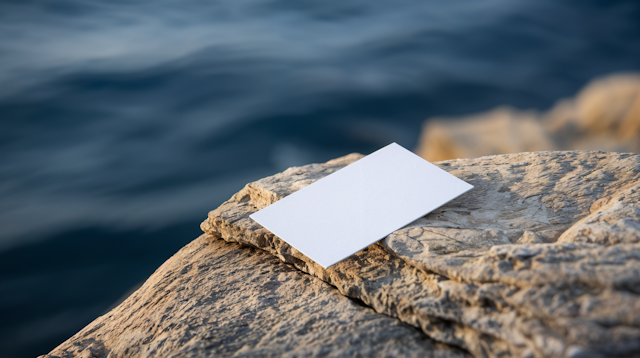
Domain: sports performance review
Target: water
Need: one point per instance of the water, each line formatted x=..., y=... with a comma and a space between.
x=123, y=122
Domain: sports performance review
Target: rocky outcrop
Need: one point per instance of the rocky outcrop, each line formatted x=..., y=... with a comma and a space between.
x=540, y=259
x=605, y=115
x=218, y=299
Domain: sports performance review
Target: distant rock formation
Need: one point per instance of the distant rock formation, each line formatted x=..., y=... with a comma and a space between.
x=540, y=259
x=605, y=115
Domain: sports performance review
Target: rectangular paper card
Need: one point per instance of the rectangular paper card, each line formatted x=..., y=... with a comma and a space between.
x=360, y=204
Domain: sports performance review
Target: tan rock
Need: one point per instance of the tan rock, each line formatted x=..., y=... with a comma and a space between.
x=502, y=130
x=605, y=115
x=610, y=105
x=541, y=258
x=218, y=299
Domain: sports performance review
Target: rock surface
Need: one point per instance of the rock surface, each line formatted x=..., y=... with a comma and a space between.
x=605, y=115
x=218, y=299
x=540, y=259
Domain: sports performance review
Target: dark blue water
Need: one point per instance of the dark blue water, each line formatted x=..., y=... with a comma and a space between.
x=123, y=122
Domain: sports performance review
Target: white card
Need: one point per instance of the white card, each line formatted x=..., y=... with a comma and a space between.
x=360, y=204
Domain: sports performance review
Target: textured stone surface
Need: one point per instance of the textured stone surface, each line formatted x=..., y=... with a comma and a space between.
x=542, y=258
x=219, y=299
x=605, y=115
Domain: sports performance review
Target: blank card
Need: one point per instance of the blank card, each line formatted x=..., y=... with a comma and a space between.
x=360, y=204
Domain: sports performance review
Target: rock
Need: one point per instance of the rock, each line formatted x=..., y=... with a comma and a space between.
x=541, y=258
x=214, y=298
x=605, y=115
x=500, y=131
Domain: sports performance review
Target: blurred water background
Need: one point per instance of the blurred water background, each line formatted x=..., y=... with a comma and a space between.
x=122, y=123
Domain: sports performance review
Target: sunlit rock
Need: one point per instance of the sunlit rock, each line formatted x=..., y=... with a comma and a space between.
x=540, y=259
x=605, y=115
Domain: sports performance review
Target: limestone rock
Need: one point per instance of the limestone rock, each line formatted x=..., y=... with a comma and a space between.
x=541, y=258
x=500, y=131
x=605, y=115
x=218, y=299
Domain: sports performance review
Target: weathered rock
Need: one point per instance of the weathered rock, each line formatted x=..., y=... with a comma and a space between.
x=541, y=258
x=605, y=115
x=220, y=299
x=499, y=131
